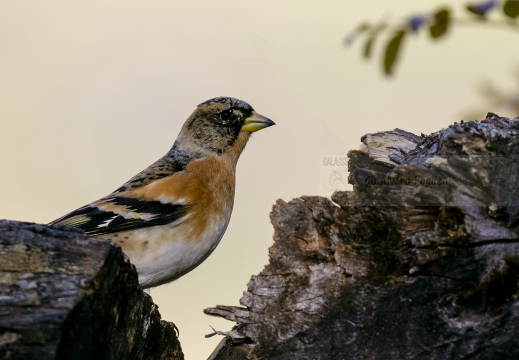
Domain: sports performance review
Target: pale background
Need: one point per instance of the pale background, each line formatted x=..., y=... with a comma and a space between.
x=93, y=92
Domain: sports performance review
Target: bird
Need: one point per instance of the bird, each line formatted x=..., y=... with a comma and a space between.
x=171, y=216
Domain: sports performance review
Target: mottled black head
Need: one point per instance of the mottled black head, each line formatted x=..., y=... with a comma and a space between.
x=216, y=123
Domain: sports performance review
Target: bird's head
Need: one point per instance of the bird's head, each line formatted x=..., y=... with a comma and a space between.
x=217, y=124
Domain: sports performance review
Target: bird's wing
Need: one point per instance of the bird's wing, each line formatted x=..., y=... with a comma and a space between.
x=119, y=213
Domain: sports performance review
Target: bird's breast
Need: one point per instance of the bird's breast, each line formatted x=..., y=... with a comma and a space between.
x=164, y=253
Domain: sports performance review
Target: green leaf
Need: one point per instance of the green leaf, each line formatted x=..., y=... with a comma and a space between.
x=368, y=45
x=511, y=8
x=392, y=49
x=352, y=36
x=374, y=31
x=363, y=27
x=440, y=23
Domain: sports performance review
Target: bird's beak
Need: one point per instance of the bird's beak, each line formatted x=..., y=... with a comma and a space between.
x=255, y=122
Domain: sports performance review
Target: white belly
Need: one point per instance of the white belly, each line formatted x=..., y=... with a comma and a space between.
x=164, y=253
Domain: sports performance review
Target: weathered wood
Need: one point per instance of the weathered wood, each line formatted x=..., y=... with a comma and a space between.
x=419, y=261
x=64, y=295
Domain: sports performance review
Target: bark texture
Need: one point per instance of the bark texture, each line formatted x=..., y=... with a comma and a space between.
x=64, y=295
x=419, y=261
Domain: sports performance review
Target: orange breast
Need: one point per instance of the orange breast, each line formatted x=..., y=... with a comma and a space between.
x=206, y=186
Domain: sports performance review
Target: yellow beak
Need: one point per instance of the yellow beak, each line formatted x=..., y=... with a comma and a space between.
x=256, y=122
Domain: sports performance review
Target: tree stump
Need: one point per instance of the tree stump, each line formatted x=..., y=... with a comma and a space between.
x=65, y=295
x=419, y=261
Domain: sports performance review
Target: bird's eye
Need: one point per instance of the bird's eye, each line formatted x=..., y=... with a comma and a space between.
x=226, y=116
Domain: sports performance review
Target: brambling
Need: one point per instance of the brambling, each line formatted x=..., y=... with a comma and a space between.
x=171, y=216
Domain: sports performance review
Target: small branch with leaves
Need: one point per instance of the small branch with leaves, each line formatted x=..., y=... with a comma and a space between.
x=436, y=24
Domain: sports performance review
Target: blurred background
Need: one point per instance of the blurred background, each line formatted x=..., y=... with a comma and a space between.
x=93, y=92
